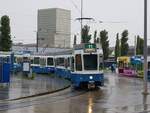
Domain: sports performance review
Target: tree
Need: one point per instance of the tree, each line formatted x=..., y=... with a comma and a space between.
x=104, y=43
x=95, y=36
x=6, y=42
x=86, y=37
x=98, y=40
x=124, y=44
x=117, y=49
x=139, y=45
x=75, y=40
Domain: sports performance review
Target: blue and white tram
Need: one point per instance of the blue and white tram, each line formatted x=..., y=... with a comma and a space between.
x=63, y=66
x=18, y=59
x=148, y=63
x=85, y=70
x=7, y=57
x=42, y=64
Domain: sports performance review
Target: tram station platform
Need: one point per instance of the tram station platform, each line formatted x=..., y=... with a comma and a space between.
x=21, y=87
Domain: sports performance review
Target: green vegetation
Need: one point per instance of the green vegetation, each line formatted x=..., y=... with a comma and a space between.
x=141, y=73
x=124, y=44
x=32, y=76
x=95, y=36
x=117, y=47
x=5, y=37
x=86, y=37
x=104, y=43
x=139, y=45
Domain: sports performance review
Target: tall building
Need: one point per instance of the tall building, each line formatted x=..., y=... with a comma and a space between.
x=54, y=28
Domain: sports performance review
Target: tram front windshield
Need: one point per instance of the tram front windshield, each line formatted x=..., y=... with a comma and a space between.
x=90, y=62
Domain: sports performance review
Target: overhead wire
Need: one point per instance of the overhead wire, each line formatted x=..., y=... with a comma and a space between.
x=76, y=7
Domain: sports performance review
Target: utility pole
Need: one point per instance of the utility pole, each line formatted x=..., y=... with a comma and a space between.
x=145, y=92
x=81, y=19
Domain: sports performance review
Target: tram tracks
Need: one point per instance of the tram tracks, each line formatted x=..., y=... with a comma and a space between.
x=51, y=98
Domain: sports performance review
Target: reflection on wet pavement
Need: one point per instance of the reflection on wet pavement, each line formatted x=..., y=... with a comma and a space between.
x=119, y=95
x=22, y=87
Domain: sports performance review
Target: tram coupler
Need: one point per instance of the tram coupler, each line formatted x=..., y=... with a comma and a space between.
x=91, y=85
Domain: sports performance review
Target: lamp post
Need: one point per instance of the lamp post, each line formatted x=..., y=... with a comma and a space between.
x=145, y=92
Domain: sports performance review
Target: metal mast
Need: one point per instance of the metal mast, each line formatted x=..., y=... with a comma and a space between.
x=145, y=48
x=81, y=19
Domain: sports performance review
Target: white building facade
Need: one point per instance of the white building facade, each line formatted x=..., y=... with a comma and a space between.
x=54, y=28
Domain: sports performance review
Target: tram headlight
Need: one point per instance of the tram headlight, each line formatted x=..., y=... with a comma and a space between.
x=91, y=77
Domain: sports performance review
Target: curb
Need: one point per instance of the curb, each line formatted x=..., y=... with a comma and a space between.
x=40, y=94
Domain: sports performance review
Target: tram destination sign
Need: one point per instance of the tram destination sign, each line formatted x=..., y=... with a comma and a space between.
x=88, y=48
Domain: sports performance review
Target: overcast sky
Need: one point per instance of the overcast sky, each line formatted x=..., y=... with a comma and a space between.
x=23, y=15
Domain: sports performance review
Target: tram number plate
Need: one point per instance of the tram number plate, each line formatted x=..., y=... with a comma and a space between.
x=90, y=48
x=91, y=82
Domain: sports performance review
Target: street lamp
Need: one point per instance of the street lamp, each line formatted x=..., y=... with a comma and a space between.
x=145, y=92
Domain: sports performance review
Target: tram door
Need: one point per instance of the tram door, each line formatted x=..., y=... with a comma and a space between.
x=78, y=62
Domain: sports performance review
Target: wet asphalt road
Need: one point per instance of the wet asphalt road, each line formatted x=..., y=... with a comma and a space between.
x=119, y=95
x=21, y=86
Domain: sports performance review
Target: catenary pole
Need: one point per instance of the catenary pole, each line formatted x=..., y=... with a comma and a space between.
x=145, y=48
x=81, y=19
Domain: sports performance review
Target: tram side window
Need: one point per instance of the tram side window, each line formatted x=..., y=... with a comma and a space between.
x=19, y=60
x=15, y=60
x=36, y=60
x=60, y=61
x=50, y=62
x=25, y=58
x=6, y=59
x=78, y=62
x=42, y=61
x=101, y=62
x=148, y=65
x=121, y=65
x=67, y=63
x=31, y=61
